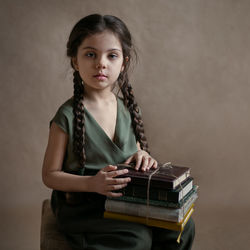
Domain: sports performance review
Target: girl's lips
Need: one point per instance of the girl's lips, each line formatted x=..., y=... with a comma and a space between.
x=100, y=77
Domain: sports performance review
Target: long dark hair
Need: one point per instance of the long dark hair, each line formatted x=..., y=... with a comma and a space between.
x=90, y=25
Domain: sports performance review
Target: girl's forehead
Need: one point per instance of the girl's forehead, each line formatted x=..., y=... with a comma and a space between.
x=102, y=41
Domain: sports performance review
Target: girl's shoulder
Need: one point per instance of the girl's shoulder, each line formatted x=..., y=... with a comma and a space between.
x=67, y=106
x=122, y=105
x=64, y=116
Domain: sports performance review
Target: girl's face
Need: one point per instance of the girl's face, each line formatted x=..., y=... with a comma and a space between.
x=99, y=60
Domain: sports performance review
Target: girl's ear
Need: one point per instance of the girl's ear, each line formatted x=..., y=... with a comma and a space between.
x=124, y=62
x=74, y=63
x=122, y=68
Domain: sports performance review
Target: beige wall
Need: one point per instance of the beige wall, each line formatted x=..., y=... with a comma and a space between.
x=192, y=82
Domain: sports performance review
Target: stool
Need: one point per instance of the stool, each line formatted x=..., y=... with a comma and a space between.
x=50, y=237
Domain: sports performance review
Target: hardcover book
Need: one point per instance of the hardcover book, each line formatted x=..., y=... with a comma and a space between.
x=166, y=177
x=160, y=203
x=169, y=195
x=177, y=226
x=155, y=212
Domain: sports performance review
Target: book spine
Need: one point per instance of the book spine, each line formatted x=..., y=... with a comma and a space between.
x=153, y=183
x=178, y=226
x=143, y=220
x=161, y=203
x=159, y=194
x=164, y=178
x=161, y=213
x=154, y=194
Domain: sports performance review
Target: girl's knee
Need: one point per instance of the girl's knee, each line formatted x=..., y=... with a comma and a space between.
x=143, y=237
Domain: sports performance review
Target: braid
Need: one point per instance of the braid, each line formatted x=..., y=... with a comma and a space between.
x=129, y=101
x=79, y=128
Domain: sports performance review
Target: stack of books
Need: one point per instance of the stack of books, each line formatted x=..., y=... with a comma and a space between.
x=160, y=198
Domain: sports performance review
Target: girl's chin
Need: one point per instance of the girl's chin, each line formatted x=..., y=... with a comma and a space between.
x=99, y=86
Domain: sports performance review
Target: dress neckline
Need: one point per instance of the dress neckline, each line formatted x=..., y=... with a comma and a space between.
x=100, y=127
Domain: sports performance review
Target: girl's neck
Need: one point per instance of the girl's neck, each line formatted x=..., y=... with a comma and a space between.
x=102, y=96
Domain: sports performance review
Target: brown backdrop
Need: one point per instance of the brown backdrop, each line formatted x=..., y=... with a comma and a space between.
x=193, y=85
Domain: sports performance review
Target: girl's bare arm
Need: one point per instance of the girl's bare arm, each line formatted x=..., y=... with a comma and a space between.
x=54, y=178
x=52, y=174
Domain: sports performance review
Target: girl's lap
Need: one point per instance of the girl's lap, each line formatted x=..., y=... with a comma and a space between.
x=107, y=234
x=102, y=234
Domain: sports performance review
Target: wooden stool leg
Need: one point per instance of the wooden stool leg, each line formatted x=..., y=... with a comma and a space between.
x=50, y=237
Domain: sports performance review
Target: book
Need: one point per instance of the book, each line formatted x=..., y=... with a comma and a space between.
x=177, y=226
x=155, y=212
x=161, y=203
x=169, y=195
x=168, y=177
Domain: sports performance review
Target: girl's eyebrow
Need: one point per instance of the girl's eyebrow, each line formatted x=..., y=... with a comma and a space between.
x=88, y=47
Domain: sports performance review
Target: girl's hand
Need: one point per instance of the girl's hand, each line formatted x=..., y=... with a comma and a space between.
x=104, y=182
x=143, y=160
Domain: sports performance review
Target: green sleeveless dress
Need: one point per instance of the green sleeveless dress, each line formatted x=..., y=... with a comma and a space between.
x=82, y=222
x=100, y=149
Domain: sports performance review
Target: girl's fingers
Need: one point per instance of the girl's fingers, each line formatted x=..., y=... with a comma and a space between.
x=151, y=162
x=109, y=168
x=138, y=162
x=145, y=162
x=118, y=181
x=116, y=187
x=113, y=188
x=112, y=174
x=155, y=165
x=112, y=194
x=129, y=160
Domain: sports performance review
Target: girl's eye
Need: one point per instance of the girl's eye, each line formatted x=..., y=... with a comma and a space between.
x=90, y=54
x=113, y=56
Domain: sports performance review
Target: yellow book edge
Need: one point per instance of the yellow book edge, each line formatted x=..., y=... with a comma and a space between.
x=176, y=226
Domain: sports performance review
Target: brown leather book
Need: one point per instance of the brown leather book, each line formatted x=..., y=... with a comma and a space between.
x=166, y=177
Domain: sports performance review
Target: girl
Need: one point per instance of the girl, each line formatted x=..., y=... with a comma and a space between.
x=91, y=133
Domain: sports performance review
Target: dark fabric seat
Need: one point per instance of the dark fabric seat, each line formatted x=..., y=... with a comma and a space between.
x=50, y=237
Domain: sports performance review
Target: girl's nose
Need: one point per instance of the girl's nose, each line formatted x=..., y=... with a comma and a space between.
x=101, y=64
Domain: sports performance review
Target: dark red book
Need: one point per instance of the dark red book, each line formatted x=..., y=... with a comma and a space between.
x=168, y=177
